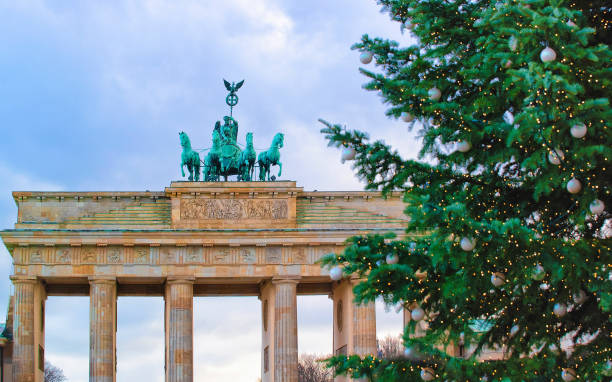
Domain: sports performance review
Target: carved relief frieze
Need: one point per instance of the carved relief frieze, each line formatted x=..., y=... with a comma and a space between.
x=114, y=255
x=63, y=255
x=274, y=255
x=89, y=255
x=233, y=209
x=171, y=255
x=141, y=255
x=246, y=255
x=36, y=256
x=298, y=255
x=222, y=256
x=194, y=255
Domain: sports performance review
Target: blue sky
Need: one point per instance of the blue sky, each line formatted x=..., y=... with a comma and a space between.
x=93, y=95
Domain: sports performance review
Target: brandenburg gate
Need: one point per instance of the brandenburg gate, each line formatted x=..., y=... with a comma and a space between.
x=193, y=239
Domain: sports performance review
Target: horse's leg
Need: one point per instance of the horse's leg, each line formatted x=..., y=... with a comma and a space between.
x=197, y=170
x=190, y=169
x=182, y=169
x=280, y=168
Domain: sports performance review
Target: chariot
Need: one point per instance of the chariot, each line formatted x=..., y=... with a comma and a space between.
x=225, y=157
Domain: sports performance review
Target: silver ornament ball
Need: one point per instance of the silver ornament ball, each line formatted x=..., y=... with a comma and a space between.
x=574, y=186
x=392, y=258
x=427, y=374
x=538, y=273
x=417, y=314
x=335, y=273
x=548, y=55
x=556, y=157
x=348, y=153
x=498, y=279
x=464, y=146
x=559, y=309
x=434, y=94
x=597, y=206
x=365, y=57
x=579, y=130
x=467, y=244
x=407, y=117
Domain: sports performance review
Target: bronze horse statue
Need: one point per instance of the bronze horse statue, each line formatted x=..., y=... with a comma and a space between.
x=247, y=159
x=189, y=158
x=271, y=157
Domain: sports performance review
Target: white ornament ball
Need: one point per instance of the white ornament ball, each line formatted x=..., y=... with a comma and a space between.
x=348, y=153
x=512, y=43
x=555, y=157
x=574, y=186
x=467, y=244
x=508, y=64
x=509, y=117
x=559, y=309
x=578, y=130
x=498, y=279
x=434, y=94
x=597, y=206
x=365, y=57
x=427, y=374
x=417, y=314
x=544, y=286
x=538, y=273
x=580, y=297
x=464, y=146
x=548, y=55
x=513, y=330
x=407, y=117
x=392, y=258
x=335, y=273
x=568, y=375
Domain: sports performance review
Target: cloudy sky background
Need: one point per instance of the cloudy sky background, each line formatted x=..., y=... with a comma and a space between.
x=93, y=95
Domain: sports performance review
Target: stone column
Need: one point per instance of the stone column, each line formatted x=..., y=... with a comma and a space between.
x=24, y=350
x=285, y=330
x=179, y=329
x=364, y=327
x=102, y=329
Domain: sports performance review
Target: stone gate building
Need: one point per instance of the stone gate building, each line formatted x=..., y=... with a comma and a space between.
x=193, y=239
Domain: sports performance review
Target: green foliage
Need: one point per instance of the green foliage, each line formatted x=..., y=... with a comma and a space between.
x=513, y=109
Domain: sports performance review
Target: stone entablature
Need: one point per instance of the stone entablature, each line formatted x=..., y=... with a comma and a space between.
x=216, y=205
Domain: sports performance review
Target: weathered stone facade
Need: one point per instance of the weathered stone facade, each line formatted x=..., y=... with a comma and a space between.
x=193, y=239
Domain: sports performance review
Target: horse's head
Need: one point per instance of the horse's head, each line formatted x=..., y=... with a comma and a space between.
x=278, y=140
x=249, y=139
x=184, y=139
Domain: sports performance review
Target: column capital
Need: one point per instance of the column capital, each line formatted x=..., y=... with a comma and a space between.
x=286, y=279
x=24, y=279
x=180, y=280
x=102, y=280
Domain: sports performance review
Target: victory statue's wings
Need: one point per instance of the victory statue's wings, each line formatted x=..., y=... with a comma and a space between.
x=233, y=87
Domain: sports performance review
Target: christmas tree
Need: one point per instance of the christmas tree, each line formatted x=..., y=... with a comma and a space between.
x=508, y=247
